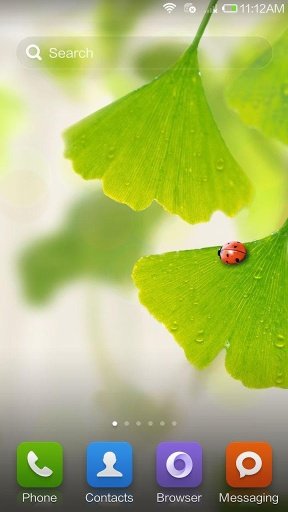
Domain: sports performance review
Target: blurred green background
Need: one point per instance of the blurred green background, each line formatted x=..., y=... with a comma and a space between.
x=76, y=344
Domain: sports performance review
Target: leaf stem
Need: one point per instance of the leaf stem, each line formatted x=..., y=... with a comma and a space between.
x=203, y=24
x=285, y=226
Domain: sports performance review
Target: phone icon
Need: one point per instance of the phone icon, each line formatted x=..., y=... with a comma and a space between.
x=32, y=460
x=39, y=464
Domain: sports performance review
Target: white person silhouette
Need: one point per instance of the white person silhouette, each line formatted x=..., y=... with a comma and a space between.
x=109, y=459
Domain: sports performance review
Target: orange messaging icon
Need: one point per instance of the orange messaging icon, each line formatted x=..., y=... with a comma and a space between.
x=249, y=464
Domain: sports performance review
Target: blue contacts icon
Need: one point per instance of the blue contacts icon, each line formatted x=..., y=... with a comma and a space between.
x=109, y=464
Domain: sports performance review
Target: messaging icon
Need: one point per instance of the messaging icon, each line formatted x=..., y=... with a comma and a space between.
x=244, y=471
x=249, y=464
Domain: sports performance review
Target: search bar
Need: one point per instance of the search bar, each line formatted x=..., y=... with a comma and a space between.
x=33, y=52
x=131, y=52
x=58, y=52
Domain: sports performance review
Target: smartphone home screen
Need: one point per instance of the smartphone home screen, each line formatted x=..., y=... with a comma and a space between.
x=143, y=212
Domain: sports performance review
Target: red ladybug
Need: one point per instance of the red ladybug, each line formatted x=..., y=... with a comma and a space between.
x=232, y=253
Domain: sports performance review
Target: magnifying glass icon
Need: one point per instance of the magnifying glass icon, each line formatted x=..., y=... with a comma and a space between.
x=33, y=52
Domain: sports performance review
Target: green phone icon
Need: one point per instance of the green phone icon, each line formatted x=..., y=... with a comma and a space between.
x=39, y=464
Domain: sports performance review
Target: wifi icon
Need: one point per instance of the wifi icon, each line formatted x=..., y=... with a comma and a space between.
x=169, y=7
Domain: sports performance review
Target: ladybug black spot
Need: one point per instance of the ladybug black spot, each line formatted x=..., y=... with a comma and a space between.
x=235, y=246
x=237, y=259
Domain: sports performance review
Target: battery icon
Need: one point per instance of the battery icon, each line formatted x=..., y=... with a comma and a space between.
x=227, y=8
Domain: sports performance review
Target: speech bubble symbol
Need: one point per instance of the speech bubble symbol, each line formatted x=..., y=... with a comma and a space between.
x=252, y=471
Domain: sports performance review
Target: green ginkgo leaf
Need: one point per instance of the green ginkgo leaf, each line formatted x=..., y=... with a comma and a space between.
x=81, y=248
x=209, y=307
x=161, y=143
x=260, y=95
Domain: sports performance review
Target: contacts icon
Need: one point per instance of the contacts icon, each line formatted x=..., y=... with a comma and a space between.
x=109, y=464
x=109, y=460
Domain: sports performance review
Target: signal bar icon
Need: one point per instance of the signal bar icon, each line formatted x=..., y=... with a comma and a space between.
x=169, y=7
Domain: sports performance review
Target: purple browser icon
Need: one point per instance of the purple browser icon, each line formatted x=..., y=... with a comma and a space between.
x=179, y=464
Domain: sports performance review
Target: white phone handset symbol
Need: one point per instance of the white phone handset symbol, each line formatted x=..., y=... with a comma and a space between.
x=32, y=459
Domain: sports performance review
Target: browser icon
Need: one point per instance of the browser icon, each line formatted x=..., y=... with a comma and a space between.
x=179, y=464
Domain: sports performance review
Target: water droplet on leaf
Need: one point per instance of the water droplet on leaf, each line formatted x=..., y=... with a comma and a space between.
x=280, y=343
x=220, y=164
x=83, y=141
x=174, y=326
x=285, y=89
x=279, y=380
